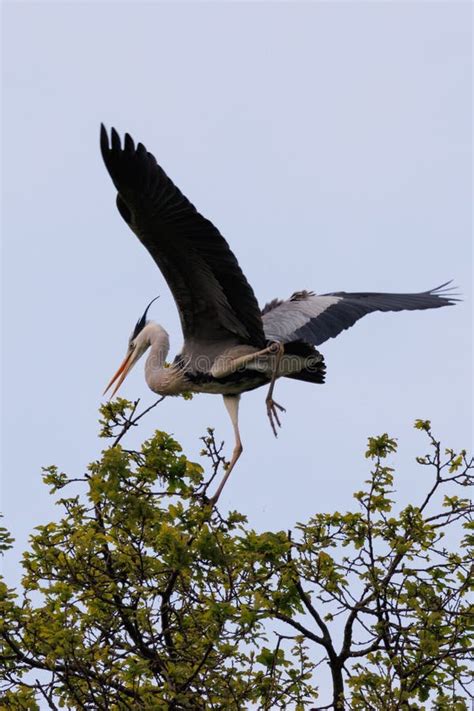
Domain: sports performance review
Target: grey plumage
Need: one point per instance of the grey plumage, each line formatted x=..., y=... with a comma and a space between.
x=314, y=318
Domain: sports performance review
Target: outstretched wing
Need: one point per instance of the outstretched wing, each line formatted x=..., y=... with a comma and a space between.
x=214, y=299
x=316, y=318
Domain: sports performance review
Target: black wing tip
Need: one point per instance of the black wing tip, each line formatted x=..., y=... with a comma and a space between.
x=447, y=292
x=114, y=143
x=109, y=145
x=128, y=144
x=127, y=164
x=104, y=140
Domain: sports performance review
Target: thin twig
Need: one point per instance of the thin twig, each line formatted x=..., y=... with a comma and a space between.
x=131, y=422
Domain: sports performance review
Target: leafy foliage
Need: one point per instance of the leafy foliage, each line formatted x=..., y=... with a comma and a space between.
x=143, y=595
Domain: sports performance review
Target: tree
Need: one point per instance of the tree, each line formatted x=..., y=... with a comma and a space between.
x=143, y=596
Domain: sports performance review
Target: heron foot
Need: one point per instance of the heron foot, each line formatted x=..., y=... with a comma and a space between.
x=272, y=412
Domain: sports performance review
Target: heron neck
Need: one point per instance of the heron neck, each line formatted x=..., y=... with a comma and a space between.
x=159, y=349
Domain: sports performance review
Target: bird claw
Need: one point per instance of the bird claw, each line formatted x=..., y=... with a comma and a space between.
x=272, y=413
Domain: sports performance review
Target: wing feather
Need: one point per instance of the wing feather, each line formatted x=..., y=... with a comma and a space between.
x=214, y=299
x=314, y=318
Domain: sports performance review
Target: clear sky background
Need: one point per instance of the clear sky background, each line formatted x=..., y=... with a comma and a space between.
x=331, y=145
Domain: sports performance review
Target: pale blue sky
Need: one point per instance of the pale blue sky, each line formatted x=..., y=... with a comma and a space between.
x=331, y=145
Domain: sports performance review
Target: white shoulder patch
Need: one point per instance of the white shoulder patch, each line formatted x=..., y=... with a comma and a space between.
x=281, y=322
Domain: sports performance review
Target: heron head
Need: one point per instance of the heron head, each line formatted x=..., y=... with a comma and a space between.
x=137, y=345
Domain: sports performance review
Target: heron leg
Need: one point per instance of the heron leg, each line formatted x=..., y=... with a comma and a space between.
x=272, y=406
x=232, y=404
x=230, y=365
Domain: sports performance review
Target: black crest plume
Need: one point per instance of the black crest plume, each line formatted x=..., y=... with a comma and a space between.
x=141, y=323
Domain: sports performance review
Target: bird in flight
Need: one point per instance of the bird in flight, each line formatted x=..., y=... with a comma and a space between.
x=230, y=345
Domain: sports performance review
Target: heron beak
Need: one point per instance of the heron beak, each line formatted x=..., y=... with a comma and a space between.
x=121, y=373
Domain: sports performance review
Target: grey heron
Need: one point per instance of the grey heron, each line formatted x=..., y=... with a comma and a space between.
x=230, y=345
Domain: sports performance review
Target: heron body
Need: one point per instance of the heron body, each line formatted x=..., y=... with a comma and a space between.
x=230, y=345
x=179, y=377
